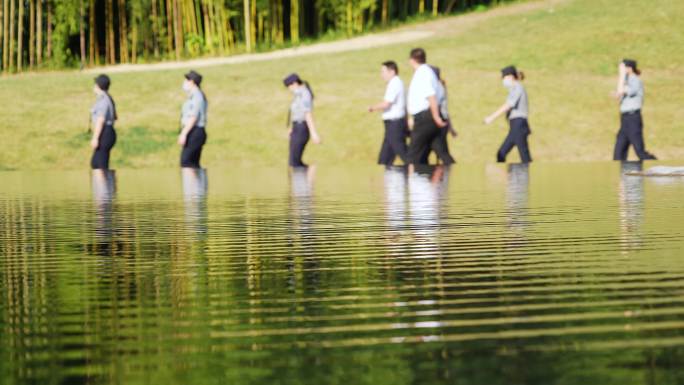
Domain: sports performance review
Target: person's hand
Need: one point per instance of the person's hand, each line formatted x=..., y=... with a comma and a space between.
x=182, y=139
x=289, y=132
x=622, y=68
x=371, y=109
x=94, y=143
x=315, y=138
x=489, y=119
x=453, y=133
x=410, y=123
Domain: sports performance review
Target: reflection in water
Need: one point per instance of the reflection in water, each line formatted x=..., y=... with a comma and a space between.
x=517, y=195
x=427, y=186
x=631, y=201
x=395, y=197
x=195, y=184
x=302, y=262
x=103, y=184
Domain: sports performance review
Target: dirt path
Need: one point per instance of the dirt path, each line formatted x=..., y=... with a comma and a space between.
x=442, y=27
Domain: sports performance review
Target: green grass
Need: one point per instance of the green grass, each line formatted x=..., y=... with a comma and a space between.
x=569, y=54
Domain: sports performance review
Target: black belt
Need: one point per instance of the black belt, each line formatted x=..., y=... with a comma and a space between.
x=299, y=122
x=422, y=113
x=395, y=120
x=632, y=112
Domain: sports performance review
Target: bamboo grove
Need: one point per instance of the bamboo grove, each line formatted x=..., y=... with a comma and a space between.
x=86, y=33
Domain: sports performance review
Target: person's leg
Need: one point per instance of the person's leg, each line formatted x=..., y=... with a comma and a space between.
x=298, y=141
x=635, y=134
x=441, y=147
x=397, y=139
x=387, y=154
x=621, y=142
x=521, y=131
x=506, y=146
x=424, y=131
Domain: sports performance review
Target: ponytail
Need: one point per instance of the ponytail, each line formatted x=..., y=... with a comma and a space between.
x=308, y=87
x=206, y=101
x=520, y=75
x=114, y=114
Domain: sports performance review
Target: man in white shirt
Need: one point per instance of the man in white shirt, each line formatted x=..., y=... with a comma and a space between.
x=393, y=109
x=424, y=107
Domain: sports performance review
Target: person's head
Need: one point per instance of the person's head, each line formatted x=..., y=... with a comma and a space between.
x=417, y=57
x=102, y=84
x=510, y=74
x=389, y=70
x=292, y=81
x=192, y=80
x=631, y=66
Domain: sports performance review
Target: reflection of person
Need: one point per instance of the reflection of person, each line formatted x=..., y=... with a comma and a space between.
x=103, y=183
x=103, y=118
x=193, y=121
x=517, y=195
x=423, y=107
x=440, y=144
x=195, y=183
x=630, y=197
x=630, y=93
x=516, y=110
x=301, y=119
x=393, y=109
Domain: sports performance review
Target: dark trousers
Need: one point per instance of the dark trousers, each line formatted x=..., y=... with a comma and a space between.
x=394, y=143
x=192, y=151
x=298, y=140
x=439, y=144
x=106, y=141
x=423, y=135
x=631, y=132
x=517, y=137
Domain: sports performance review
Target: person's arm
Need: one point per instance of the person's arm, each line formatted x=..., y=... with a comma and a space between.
x=99, y=125
x=620, y=90
x=183, y=137
x=382, y=106
x=312, y=128
x=434, y=109
x=502, y=110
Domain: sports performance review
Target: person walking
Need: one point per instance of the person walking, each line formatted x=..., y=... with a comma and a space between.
x=103, y=116
x=630, y=94
x=300, y=120
x=516, y=109
x=393, y=107
x=441, y=141
x=193, y=133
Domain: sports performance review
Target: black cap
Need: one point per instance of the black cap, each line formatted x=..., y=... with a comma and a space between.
x=291, y=78
x=437, y=72
x=509, y=70
x=103, y=82
x=194, y=76
x=630, y=63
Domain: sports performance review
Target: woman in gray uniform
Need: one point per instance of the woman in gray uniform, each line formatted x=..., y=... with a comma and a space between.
x=301, y=119
x=630, y=93
x=103, y=118
x=516, y=110
x=193, y=121
x=439, y=144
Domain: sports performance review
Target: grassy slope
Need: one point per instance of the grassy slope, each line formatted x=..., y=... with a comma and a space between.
x=569, y=55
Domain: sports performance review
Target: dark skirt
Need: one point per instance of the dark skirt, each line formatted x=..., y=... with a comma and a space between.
x=106, y=141
x=192, y=151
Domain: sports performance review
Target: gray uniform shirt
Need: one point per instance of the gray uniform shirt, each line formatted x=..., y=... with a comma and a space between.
x=103, y=107
x=517, y=100
x=196, y=105
x=633, y=99
x=301, y=104
x=442, y=101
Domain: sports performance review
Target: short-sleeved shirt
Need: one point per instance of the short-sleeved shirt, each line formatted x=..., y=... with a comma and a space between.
x=396, y=97
x=423, y=85
x=517, y=100
x=633, y=99
x=195, y=105
x=301, y=104
x=103, y=107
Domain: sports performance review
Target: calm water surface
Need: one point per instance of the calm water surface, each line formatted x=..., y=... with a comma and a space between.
x=552, y=274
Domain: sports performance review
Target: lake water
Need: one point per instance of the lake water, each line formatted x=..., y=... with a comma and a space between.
x=485, y=274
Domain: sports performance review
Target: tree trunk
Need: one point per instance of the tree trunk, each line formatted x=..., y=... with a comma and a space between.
x=50, y=18
x=169, y=26
x=20, y=37
x=155, y=29
x=92, y=46
x=32, y=33
x=39, y=32
x=10, y=64
x=294, y=21
x=123, y=33
x=111, y=42
x=385, y=11
x=435, y=7
x=5, y=35
x=248, y=34
x=421, y=7
x=81, y=31
x=450, y=6
x=178, y=31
